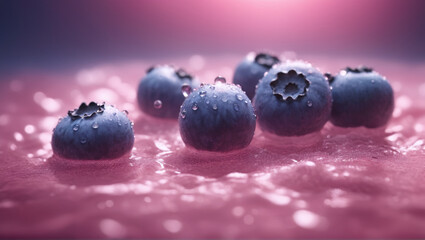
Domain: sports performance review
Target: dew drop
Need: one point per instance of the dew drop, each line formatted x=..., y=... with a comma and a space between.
x=95, y=125
x=224, y=99
x=246, y=102
x=309, y=103
x=202, y=93
x=76, y=127
x=214, y=106
x=220, y=79
x=83, y=140
x=157, y=104
x=212, y=87
x=239, y=97
x=207, y=102
x=239, y=86
x=214, y=96
x=183, y=114
x=186, y=90
x=195, y=106
x=236, y=107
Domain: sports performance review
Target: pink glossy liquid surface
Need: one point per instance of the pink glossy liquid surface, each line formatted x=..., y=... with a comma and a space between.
x=337, y=183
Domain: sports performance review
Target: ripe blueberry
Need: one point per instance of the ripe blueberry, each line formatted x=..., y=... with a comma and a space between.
x=361, y=97
x=251, y=70
x=217, y=117
x=293, y=99
x=159, y=93
x=94, y=131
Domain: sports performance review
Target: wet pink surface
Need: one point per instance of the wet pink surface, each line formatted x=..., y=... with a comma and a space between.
x=353, y=183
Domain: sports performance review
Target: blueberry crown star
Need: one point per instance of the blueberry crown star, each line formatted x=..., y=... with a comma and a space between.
x=289, y=86
x=86, y=111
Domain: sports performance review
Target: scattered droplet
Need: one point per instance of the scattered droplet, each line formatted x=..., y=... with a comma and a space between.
x=83, y=140
x=195, y=106
x=207, y=102
x=186, y=90
x=239, y=97
x=236, y=107
x=309, y=103
x=214, y=96
x=157, y=104
x=212, y=87
x=202, y=93
x=224, y=99
x=214, y=106
x=246, y=102
x=239, y=86
x=95, y=125
x=220, y=79
x=76, y=127
x=183, y=114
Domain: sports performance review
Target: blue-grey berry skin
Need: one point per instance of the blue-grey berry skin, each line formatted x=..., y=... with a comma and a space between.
x=251, y=70
x=293, y=99
x=92, y=132
x=159, y=93
x=361, y=97
x=217, y=118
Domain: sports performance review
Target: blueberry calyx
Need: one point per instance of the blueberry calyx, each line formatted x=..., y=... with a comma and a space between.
x=289, y=86
x=86, y=111
x=150, y=69
x=266, y=60
x=182, y=74
x=329, y=77
x=361, y=69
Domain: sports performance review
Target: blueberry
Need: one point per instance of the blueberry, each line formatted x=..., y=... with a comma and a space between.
x=217, y=117
x=293, y=99
x=251, y=70
x=94, y=131
x=160, y=91
x=361, y=97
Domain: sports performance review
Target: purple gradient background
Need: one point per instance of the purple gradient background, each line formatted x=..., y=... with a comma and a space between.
x=50, y=34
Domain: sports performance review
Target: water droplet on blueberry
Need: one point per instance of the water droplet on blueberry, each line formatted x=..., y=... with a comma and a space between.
x=76, y=127
x=207, y=102
x=157, y=104
x=309, y=103
x=239, y=97
x=220, y=79
x=236, y=107
x=214, y=106
x=95, y=125
x=83, y=140
x=202, y=93
x=224, y=99
x=186, y=90
x=195, y=106
x=183, y=114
